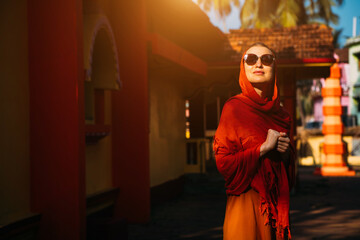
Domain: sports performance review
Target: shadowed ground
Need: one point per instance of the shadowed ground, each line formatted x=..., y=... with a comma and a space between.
x=322, y=208
x=326, y=208
x=197, y=214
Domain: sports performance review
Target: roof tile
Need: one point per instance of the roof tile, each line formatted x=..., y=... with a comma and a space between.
x=305, y=41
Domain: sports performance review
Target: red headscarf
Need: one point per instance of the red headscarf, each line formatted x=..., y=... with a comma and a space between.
x=243, y=128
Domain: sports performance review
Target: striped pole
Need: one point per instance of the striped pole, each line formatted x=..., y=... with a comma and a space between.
x=334, y=148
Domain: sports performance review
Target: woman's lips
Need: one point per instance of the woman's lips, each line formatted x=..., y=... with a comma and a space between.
x=258, y=72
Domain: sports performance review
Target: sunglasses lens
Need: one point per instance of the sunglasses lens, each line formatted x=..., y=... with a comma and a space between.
x=267, y=59
x=251, y=59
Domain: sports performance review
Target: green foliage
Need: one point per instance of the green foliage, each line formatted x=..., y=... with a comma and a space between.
x=269, y=13
x=321, y=11
x=274, y=13
x=287, y=12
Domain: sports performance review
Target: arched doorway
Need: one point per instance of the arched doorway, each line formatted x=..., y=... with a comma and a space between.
x=101, y=78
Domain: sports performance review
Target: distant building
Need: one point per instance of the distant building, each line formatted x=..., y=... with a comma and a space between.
x=353, y=44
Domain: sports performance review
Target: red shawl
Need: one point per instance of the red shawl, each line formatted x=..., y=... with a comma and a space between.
x=243, y=127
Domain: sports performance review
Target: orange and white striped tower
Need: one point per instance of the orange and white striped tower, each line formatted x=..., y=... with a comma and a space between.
x=334, y=148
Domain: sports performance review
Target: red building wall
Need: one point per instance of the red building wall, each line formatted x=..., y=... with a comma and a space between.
x=130, y=111
x=57, y=117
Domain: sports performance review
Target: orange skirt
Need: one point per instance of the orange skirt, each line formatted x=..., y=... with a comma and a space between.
x=243, y=219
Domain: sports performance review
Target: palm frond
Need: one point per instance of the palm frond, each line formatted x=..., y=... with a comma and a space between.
x=248, y=13
x=336, y=37
x=222, y=7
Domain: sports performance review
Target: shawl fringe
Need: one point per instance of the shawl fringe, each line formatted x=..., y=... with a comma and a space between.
x=265, y=208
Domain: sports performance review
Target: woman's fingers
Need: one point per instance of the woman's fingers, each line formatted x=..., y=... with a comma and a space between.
x=282, y=148
x=283, y=134
x=284, y=139
x=283, y=143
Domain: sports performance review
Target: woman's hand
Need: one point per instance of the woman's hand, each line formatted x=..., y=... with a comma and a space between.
x=283, y=143
x=278, y=140
x=270, y=143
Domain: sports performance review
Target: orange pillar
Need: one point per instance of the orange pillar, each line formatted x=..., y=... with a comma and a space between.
x=334, y=149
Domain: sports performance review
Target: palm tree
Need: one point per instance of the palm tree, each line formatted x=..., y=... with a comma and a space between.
x=322, y=10
x=270, y=13
x=263, y=13
x=273, y=13
x=221, y=7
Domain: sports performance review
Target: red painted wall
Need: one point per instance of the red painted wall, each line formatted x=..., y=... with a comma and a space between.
x=57, y=117
x=130, y=111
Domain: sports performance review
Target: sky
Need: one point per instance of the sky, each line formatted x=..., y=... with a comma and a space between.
x=349, y=9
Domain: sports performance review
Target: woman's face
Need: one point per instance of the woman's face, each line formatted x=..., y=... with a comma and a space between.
x=259, y=73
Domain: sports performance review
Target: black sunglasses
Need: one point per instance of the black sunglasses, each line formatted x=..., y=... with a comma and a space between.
x=266, y=59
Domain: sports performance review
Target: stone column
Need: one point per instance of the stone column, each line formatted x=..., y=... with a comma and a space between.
x=334, y=147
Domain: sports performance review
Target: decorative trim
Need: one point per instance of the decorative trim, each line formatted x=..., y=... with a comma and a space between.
x=95, y=132
x=334, y=148
x=332, y=110
x=333, y=129
x=334, y=170
x=331, y=92
x=92, y=25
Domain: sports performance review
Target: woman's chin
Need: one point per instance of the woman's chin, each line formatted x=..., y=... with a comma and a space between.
x=259, y=80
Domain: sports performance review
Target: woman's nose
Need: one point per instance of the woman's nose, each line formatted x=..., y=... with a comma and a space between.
x=258, y=63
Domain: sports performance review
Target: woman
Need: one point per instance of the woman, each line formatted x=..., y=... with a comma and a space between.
x=253, y=153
